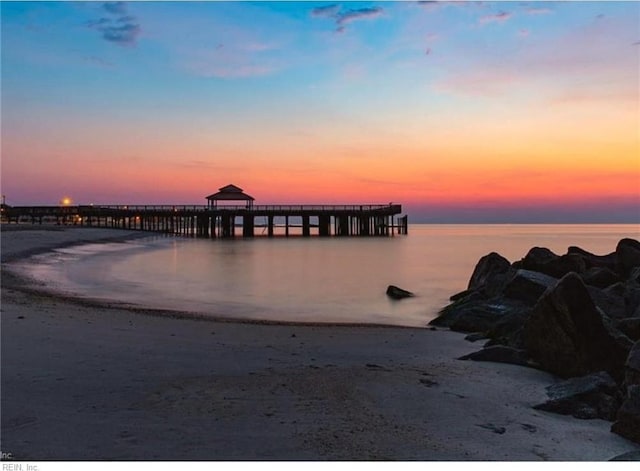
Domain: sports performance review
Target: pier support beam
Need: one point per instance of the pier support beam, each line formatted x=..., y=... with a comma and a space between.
x=248, y=224
x=306, y=229
x=324, y=225
x=270, y=226
x=342, y=228
x=227, y=226
x=365, y=224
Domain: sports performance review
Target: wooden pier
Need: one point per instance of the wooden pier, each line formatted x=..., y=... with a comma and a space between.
x=223, y=221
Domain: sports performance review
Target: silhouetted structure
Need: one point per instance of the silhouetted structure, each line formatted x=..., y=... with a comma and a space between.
x=229, y=193
x=214, y=220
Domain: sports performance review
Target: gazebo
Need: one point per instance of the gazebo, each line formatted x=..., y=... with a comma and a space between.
x=229, y=193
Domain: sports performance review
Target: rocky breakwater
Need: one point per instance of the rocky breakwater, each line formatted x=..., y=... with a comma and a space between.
x=575, y=315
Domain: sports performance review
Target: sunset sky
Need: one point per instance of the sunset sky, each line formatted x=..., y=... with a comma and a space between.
x=462, y=112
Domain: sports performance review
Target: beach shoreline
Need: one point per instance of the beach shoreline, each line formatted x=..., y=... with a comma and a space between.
x=82, y=380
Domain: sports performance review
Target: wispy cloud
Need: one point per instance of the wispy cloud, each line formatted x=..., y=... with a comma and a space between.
x=119, y=27
x=499, y=17
x=538, y=11
x=586, y=63
x=478, y=82
x=436, y=4
x=359, y=14
x=343, y=18
x=98, y=62
x=259, y=47
x=230, y=61
x=115, y=8
x=229, y=71
x=328, y=11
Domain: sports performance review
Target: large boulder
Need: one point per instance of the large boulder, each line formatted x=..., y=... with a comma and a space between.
x=499, y=354
x=609, y=301
x=471, y=314
x=567, y=335
x=507, y=330
x=627, y=422
x=632, y=366
x=627, y=256
x=630, y=327
x=543, y=260
x=631, y=299
x=527, y=286
x=536, y=257
x=563, y=265
x=595, y=396
x=489, y=274
x=594, y=261
x=600, y=277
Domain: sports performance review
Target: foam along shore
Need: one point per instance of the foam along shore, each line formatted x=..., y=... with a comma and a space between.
x=91, y=382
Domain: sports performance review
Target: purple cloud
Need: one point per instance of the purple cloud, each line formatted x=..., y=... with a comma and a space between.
x=122, y=30
x=500, y=17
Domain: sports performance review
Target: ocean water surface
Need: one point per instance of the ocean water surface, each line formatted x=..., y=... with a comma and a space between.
x=295, y=279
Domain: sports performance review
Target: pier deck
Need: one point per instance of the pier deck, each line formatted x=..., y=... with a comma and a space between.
x=224, y=221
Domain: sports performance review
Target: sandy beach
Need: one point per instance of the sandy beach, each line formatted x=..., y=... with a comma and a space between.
x=83, y=381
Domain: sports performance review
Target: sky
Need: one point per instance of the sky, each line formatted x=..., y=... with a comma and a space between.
x=475, y=112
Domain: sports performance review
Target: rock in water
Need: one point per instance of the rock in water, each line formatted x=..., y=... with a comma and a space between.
x=567, y=334
x=398, y=293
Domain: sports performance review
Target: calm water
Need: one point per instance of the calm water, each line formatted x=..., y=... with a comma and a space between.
x=306, y=280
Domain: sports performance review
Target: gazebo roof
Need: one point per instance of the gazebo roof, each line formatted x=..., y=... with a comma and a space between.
x=230, y=193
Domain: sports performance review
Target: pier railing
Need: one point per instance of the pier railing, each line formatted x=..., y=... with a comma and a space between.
x=267, y=207
x=53, y=210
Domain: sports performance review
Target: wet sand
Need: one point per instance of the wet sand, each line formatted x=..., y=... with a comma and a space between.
x=84, y=381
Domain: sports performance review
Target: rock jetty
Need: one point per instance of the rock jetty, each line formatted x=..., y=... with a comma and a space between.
x=575, y=315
